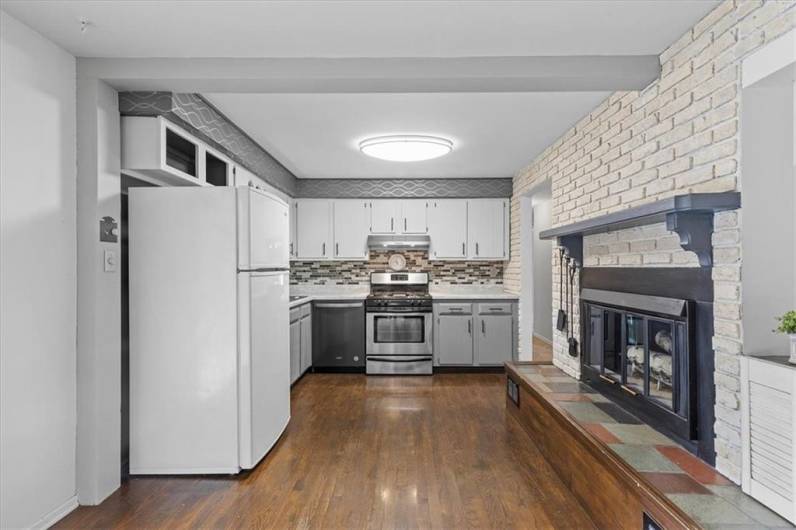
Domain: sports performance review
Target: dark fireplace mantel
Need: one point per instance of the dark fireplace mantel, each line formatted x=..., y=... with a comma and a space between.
x=689, y=215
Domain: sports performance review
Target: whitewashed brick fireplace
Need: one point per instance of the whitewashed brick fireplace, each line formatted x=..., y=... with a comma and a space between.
x=678, y=135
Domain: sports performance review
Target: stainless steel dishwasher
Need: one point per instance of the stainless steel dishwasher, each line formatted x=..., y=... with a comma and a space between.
x=338, y=336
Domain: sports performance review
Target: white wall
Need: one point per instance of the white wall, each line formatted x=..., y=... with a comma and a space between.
x=542, y=268
x=37, y=277
x=535, y=312
x=769, y=216
x=98, y=294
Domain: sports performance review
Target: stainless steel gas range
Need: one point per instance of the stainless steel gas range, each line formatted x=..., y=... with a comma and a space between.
x=399, y=324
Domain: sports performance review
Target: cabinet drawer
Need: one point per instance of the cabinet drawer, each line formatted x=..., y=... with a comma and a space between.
x=295, y=314
x=455, y=309
x=498, y=308
x=306, y=309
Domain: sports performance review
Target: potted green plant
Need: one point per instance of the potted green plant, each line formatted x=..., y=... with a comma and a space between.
x=787, y=325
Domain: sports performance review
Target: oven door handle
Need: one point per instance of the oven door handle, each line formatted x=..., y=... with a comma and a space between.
x=398, y=313
x=401, y=359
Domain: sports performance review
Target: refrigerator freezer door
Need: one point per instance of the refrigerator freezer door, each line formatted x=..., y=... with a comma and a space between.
x=264, y=362
x=263, y=231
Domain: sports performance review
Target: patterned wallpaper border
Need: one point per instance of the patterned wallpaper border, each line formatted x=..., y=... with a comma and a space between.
x=200, y=117
x=358, y=272
x=388, y=188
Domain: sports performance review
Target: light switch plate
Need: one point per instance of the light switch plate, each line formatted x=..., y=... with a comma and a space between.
x=110, y=261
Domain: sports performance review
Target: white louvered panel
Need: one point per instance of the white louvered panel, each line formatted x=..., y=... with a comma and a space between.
x=776, y=449
x=771, y=433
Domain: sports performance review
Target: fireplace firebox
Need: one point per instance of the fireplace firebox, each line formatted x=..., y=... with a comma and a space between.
x=646, y=343
x=639, y=347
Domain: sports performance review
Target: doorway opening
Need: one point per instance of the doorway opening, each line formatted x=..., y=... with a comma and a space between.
x=536, y=296
x=768, y=238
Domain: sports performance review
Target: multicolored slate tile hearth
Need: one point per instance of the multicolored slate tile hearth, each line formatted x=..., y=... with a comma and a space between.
x=488, y=273
x=694, y=486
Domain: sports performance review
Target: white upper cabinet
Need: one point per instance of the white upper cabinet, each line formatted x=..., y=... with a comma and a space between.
x=158, y=151
x=351, y=227
x=385, y=216
x=414, y=218
x=447, y=226
x=487, y=221
x=293, y=235
x=218, y=169
x=393, y=216
x=314, y=228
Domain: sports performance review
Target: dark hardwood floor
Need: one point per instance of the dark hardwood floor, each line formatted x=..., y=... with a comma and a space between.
x=377, y=452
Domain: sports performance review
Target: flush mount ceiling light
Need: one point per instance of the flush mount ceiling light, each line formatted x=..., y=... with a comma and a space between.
x=411, y=148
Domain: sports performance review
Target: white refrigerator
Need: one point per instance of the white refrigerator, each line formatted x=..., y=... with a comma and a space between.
x=209, y=328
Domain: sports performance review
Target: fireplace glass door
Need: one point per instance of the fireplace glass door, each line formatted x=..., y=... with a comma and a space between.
x=644, y=355
x=635, y=353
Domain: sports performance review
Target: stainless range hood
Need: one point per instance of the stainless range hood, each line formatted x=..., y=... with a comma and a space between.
x=394, y=242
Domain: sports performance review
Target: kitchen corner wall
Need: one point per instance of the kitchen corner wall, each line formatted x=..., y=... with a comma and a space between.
x=358, y=272
x=678, y=135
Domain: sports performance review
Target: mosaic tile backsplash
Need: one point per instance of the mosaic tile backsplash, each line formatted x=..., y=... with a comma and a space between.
x=358, y=272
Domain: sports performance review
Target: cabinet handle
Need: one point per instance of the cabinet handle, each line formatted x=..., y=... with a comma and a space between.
x=476, y=249
x=504, y=229
x=323, y=249
x=337, y=249
x=392, y=224
x=456, y=309
x=404, y=224
x=463, y=252
x=483, y=327
x=469, y=327
x=291, y=248
x=628, y=390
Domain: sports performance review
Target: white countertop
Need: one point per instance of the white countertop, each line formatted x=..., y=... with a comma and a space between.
x=360, y=292
x=462, y=292
x=324, y=292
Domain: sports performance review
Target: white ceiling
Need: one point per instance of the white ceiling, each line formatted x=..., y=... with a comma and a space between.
x=494, y=135
x=315, y=134
x=345, y=28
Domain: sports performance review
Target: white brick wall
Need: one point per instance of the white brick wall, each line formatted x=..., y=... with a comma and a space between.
x=679, y=134
x=650, y=245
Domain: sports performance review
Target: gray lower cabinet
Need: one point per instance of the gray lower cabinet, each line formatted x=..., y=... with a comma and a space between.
x=306, y=343
x=295, y=351
x=474, y=333
x=493, y=341
x=455, y=340
x=300, y=341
